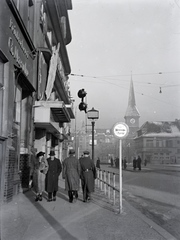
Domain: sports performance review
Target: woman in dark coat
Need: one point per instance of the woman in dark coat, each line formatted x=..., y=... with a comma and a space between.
x=71, y=174
x=54, y=170
x=88, y=175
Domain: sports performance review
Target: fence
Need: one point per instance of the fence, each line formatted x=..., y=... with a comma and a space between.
x=106, y=181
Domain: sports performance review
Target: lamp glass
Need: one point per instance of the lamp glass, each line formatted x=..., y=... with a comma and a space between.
x=93, y=114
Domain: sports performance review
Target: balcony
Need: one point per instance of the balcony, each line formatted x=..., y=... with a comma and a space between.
x=48, y=114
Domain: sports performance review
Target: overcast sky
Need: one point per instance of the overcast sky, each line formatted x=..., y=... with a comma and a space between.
x=114, y=39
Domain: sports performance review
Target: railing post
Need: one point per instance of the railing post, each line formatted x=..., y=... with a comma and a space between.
x=109, y=183
x=105, y=182
x=114, y=185
x=101, y=179
x=98, y=178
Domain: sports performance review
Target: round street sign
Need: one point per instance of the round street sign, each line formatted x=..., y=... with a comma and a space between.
x=121, y=130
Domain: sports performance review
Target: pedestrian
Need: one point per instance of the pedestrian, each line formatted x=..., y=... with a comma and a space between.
x=134, y=163
x=38, y=172
x=71, y=174
x=139, y=162
x=112, y=162
x=88, y=176
x=98, y=162
x=117, y=162
x=145, y=162
x=52, y=176
x=125, y=163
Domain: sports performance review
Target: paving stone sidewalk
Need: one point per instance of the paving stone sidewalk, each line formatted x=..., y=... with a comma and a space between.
x=25, y=219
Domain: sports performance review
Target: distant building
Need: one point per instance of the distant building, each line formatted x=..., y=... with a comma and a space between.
x=159, y=142
x=104, y=143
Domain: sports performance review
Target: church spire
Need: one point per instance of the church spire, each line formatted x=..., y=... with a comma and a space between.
x=132, y=110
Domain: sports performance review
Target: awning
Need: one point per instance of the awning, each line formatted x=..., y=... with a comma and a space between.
x=51, y=111
x=70, y=111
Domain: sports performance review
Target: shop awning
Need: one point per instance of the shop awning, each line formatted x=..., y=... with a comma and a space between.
x=50, y=112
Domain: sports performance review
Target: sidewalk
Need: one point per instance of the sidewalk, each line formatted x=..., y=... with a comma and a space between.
x=25, y=219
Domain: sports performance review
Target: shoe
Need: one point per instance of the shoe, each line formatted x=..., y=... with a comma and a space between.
x=40, y=197
x=84, y=200
x=54, y=198
x=70, y=200
x=89, y=199
x=49, y=200
x=37, y=198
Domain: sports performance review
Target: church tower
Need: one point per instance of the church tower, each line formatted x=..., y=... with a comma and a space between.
x=132, y=120
x=132, y=114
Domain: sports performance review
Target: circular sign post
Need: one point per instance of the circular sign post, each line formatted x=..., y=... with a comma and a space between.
x=120, y=131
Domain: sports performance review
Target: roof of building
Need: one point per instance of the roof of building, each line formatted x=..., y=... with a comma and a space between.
x=160, y=128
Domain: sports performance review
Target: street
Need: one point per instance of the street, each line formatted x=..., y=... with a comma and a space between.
x=155, y=191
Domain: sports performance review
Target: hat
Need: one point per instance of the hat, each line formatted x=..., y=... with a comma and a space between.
x=52, y=153
x=39, y=154
x=71, y=151
x=86, y=152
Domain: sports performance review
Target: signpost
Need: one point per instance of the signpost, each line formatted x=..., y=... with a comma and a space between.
x=120, y=131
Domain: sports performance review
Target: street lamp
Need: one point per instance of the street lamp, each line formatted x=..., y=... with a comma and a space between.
x=93, y=115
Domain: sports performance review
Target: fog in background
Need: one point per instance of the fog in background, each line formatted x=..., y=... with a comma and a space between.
x=114, y=41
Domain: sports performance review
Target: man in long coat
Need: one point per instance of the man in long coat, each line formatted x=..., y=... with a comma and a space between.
x=71, y=174
x=139, y=162
x=88, y=175
x=54, y=170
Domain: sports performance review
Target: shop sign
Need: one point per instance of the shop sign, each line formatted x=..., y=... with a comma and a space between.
x=14, y=49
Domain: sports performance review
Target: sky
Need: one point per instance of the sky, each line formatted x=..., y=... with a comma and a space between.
x=114, y=41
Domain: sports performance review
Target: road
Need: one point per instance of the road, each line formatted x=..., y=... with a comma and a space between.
x=155, y=191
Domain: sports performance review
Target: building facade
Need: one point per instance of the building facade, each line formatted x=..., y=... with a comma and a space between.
x=159, y=142
x=35, y=104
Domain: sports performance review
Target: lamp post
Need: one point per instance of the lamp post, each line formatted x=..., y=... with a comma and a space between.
x=93, y=115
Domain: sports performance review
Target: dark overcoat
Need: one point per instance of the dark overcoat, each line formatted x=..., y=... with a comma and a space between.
x=52, y=175
x=87, y=177
x=71, y=173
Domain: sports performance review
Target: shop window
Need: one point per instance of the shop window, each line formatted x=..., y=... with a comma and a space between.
x=17, y=104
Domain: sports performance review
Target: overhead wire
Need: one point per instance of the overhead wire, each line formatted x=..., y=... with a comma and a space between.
x=127, y=88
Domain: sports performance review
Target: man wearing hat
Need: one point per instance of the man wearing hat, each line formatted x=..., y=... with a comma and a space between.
x=88, y=175
x=71, y=174
x=52, y=176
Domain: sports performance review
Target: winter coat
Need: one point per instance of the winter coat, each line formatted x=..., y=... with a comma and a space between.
x=88, y=173
x=71, y=173
x=38, y=171
x=52, y=175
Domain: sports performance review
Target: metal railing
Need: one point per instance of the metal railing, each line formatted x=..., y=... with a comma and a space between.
x=106, y=181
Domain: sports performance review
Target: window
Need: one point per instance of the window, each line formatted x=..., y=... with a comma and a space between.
x=149, y=143
x=17, y=104
x=158, y=143
x=169, y=143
